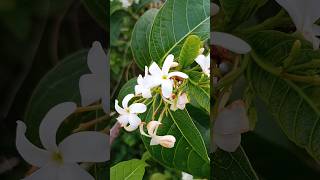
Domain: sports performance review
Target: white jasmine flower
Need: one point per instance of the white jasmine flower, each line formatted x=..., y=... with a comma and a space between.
x=162, y=76
x=228, y=41
x=229, y=124
x=186, y=176
x=167, y=141
x=304, y=14
x=178, y=102
x=129, y=114
x=94, y=86
x=59, y=162
x=204, y=62
x=144, y=85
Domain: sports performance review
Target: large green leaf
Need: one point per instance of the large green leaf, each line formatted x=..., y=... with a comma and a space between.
x=59, y=85
x=232, y=166
x=294, y=105
x=140, y=38
x=128, y=170
x=238, y=11
x=176, y=20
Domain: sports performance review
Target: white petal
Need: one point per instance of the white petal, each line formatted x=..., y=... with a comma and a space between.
x=312, y=8
x=51, y=122
x=167, y=64
x=166, y=88
x=179, y=74
x=146, y=93
x=134, y=122
x=73, y=172
x=137, y=108
x=214, y=9
x=152, y=126
x=232, y=120
x=230, y=42
x=131, y=127
x=296, y=9
x=85, y=147
x=146, y=71
x=126, y=100
x=29, y=152
x=123, y=119
x=229, y=142
x=186, y=176
x=97, y=59
x=92, y=89
x=119, y=109
x=155, y=70
x=48, y=172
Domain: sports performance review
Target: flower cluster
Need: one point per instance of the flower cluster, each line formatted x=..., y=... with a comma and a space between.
x=156, y=80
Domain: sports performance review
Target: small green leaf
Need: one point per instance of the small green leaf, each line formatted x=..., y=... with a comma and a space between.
x=199, y=94
x=130, y=170
x=190, y=50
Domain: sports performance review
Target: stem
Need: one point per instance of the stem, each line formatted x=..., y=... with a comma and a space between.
x=90, y=124
x=278, y=71
x=88, y=108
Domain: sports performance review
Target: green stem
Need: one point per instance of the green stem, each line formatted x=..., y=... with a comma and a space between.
x=233, y=75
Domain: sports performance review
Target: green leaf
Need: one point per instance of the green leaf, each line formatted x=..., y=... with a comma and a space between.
x=198, y=94
x=238, y=11
x=189, y=153
x=127, y=88
x=190, y=50
x=59, y=85
x=140, y=38
x=294, y=105
x=130, y=170
x=176, y=20
x=97, y=9
x=231, y=166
